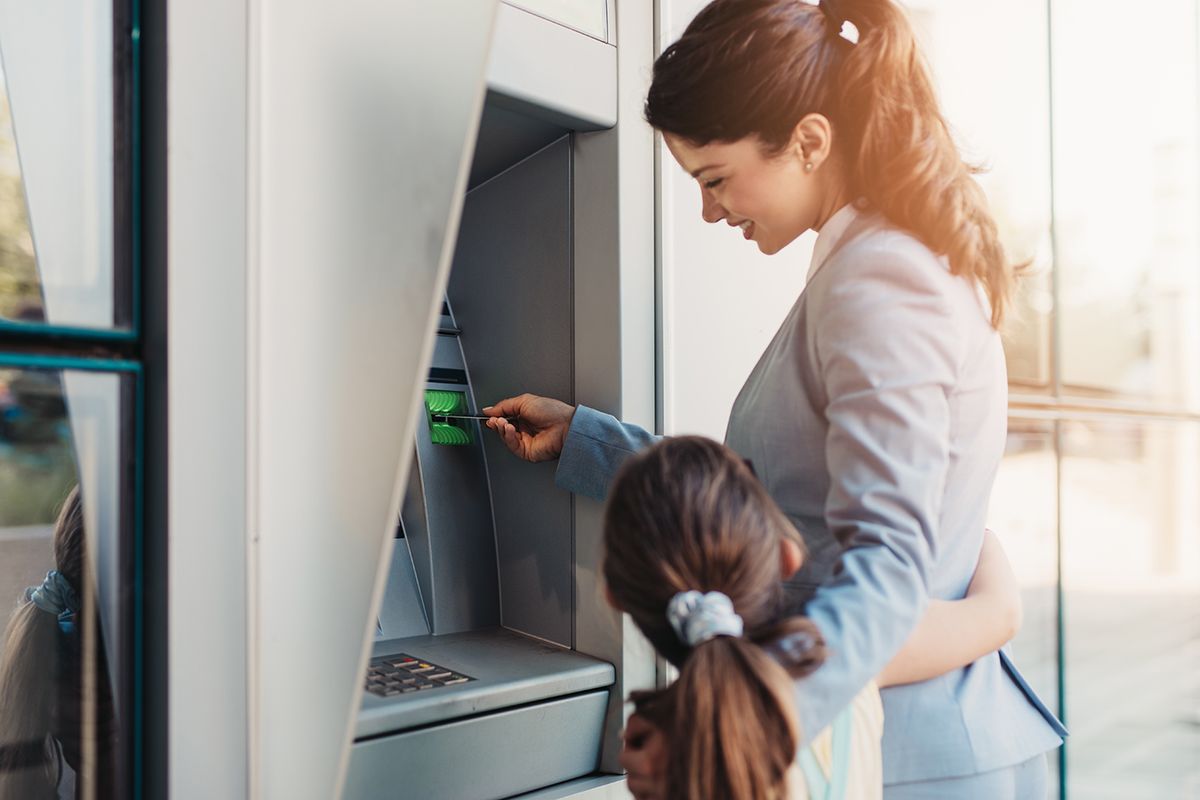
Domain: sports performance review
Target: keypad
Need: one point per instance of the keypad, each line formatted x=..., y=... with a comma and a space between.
x=392, y=676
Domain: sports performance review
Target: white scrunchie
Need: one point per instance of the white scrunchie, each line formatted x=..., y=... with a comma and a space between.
x=698, y=617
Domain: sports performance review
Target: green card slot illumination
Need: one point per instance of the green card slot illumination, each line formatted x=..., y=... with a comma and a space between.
x=452, y=432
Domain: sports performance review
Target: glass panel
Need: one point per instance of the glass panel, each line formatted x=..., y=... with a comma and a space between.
x=1024, y=514
x=1126, y=204
x=1131, y=576
x=65, y=582
x=20, y=289
x=58, y=145
x=999, y=109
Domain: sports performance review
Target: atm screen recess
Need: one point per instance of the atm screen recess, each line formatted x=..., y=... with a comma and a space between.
x=474, y=645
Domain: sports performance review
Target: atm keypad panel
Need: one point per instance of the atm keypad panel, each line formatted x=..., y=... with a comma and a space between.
x=402, y=674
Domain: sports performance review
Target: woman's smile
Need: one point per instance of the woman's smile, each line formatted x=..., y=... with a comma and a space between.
x=747, y=227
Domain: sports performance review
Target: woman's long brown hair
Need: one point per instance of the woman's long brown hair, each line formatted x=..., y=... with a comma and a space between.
x=757, y=67
x=688, y=514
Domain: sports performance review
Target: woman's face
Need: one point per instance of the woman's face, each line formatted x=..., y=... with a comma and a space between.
x=771, y=199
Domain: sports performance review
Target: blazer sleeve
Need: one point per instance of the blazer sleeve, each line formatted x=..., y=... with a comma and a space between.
x=596, y=447
x=887, y=354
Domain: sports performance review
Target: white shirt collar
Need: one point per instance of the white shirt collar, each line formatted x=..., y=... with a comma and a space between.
x=829, y=235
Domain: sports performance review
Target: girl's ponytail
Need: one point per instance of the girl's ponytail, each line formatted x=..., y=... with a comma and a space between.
x=735, y=731
x=28, y=764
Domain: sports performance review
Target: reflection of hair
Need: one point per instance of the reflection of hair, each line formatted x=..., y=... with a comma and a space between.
x=756, y=67
x=41, y=694
x=688, y=514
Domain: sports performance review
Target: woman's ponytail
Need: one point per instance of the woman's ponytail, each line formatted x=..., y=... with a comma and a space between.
x=901, y=156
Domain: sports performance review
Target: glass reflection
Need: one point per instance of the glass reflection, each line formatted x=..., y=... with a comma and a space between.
x=63, y=674
x=1131, y=575
x=1024, y=514
x=1127, y=237
x=20, y=290
x=62, y=261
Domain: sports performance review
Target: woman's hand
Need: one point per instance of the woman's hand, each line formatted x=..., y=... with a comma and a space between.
x=644, y=759
x=542, y=424
x=995, y=586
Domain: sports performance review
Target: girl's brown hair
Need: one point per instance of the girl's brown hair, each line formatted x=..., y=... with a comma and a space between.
x=688, y=514
x=757, y=67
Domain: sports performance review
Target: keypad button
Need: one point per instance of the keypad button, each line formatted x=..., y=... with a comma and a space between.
x=403, y=674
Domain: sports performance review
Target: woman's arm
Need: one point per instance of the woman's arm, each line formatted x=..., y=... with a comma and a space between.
x=955, y=633
x=590, y=446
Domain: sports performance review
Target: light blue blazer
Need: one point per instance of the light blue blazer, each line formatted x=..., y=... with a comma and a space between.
x=876, y=418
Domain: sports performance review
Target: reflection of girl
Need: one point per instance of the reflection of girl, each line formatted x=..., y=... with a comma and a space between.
x=45, y=731
x=694, y=551
x=876, y=416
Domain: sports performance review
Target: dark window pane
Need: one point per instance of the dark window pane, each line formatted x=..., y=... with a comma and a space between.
x=65, y=583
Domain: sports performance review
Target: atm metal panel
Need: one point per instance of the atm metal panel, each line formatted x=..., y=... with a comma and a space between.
x=490, y=757
x=362, y=124
x=511, y=293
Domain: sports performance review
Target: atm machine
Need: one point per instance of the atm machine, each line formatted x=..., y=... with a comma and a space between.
x=477, y=686
x=421, y=207
x=474, y=650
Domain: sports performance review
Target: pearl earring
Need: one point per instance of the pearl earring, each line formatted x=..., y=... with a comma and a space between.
x=808, y=167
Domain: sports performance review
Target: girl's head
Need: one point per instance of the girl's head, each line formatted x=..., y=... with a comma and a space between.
x=688, y=515
x=784, y=110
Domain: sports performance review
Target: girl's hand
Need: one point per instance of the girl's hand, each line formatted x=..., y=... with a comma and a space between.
x=541, y=429
x=644, y=759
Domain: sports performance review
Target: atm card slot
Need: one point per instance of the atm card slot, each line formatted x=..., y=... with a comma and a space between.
x=445, y=430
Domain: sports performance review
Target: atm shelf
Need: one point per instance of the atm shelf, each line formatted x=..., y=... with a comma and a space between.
x=509, y=669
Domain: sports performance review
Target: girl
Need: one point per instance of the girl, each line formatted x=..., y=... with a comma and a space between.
x=695, y=551
x=876, y=417
x=45, y=734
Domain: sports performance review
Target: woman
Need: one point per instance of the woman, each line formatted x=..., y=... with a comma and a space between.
x=695, y=551
x=876, y=417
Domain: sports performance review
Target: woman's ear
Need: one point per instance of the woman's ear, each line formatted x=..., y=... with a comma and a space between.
x=812, y=139
x=791, y=557
x=612, y=601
